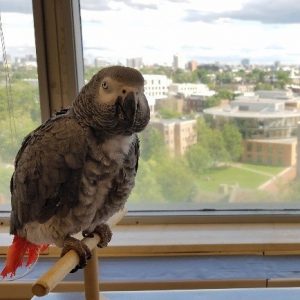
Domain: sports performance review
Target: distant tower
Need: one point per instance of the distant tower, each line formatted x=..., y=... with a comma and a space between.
x=276, y=65
x=245, y=62
x=136, y=62
x=178, y=62
x=100, y=62
x=192, y=65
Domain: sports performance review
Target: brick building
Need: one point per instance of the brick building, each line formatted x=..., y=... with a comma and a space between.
x=178, y=135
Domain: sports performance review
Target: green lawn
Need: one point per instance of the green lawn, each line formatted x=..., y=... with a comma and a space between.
x=268, y=169
x=211, y=181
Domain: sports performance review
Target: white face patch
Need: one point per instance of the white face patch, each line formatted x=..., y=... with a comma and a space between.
x=110, y=90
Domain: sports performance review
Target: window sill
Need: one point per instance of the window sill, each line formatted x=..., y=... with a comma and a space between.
x=194, y=239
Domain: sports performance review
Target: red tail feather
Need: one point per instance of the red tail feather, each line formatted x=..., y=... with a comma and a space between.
x=16, y=252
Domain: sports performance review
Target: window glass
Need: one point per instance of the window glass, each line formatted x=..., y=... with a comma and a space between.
x=223, y=84
x=19, y=95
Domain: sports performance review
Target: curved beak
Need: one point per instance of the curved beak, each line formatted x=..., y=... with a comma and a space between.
x=128, y=107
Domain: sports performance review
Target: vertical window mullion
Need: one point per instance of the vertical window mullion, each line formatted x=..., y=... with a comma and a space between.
x=59, y=53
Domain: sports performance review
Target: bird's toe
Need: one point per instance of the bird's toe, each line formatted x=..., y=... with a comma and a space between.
x=80, y=248
x=104, y=233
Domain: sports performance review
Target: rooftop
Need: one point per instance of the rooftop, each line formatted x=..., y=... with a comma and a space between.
x=231, y=112
x=172, y=121
x=258, y=106
x=287, y=141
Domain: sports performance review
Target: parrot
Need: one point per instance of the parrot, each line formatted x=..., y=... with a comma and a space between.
x=77, y=169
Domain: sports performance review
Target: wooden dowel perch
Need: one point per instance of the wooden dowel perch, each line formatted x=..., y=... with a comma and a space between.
x=47, y=282
x=91, y=284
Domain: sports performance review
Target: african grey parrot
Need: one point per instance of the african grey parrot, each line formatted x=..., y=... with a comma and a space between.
x=78, y=168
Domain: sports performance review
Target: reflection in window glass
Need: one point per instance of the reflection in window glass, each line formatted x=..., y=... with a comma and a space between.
x=223, y=83
x=19, y=96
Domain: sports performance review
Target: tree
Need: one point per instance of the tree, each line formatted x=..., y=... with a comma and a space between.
x=225, y=94
x=224, y=78
x=256, y=76
x=176, y=181
x=5, y=175
x=199, y=159
x=166, y=113
x=14, y=126
x=216, y=147
x=233, y=141
x=212, y=140
x=203, y=75
x=152, y=144
x=215, y=100
x=263, y=86
x=161, y=70
x=283, y=78
x=203, y=131
x=147, y=189
x=212, y=101
x=181, y=76
x=89, y=72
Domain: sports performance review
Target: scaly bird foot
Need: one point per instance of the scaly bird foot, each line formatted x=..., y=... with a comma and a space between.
x=104, y=233
x=80, y=248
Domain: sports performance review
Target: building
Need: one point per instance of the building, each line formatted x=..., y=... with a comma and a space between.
x=275, y=94
x=136, y=62
x=195, y=103
x=266, y=124
x=188, y=89
x=244, y=88
x=245, y=62
x=260, y=118
x=282, y=152
x=173, y=103
x=156, y=87
x=192, y=65
x=178, y=135
x=178, y=62
x=295, y=77
x=185, y=135
x=100, y=62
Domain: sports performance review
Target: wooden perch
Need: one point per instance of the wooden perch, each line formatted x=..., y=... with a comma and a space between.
x=69, y=261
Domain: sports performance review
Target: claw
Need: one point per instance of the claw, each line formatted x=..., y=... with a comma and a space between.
x=80, y=248
x=104, y=233
x=86, y=234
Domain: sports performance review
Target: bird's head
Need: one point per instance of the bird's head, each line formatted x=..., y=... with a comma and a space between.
x=114, y=101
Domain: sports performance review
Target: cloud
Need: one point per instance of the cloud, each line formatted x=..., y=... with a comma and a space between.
x=179, y=1
x=94, y=5
x=137, y=4
x=193, y=47
x=96, y=48
x=19, y=6
x=274, y=47
x=194, y=15
x=264, y=11
x=104, y=4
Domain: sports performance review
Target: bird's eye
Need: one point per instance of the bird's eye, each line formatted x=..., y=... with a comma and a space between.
x=104, y=85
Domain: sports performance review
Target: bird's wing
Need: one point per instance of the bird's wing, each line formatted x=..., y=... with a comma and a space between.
x=48, y=168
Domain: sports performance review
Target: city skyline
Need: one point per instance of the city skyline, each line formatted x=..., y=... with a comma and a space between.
x=225, y=31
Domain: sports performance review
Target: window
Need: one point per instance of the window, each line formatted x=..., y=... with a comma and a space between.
x=164, y=48
x=19, y=94
x=165, y=44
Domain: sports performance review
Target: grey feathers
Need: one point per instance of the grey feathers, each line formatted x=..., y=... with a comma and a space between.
x=50, y=163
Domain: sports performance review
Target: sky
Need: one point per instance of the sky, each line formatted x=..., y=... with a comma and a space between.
x=204, y=30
